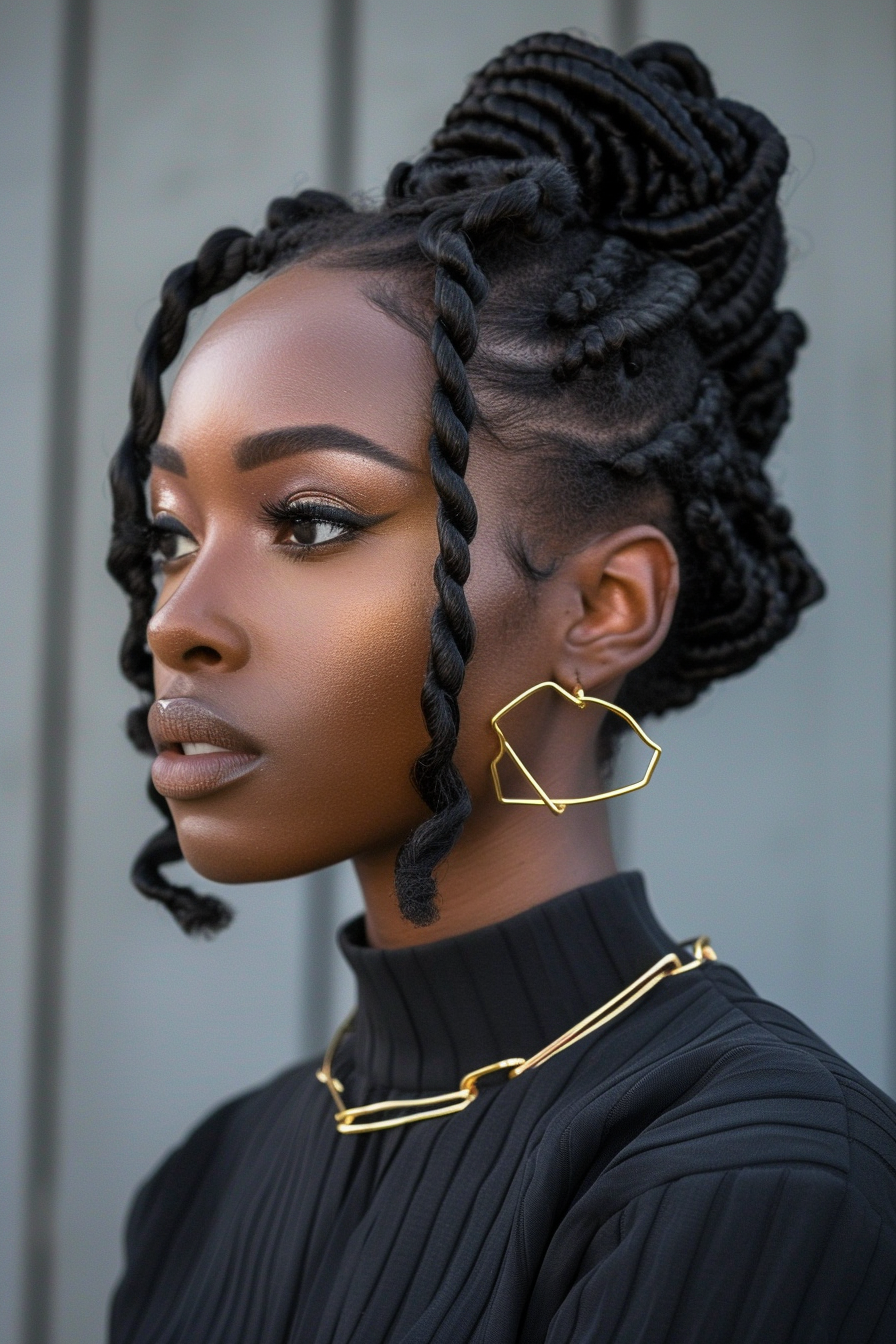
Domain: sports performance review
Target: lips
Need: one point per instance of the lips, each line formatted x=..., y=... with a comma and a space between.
x=199, y=751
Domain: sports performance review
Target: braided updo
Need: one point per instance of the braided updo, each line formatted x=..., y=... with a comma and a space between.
x=594, y=246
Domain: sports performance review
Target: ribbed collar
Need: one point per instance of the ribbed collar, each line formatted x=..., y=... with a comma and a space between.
x=429, y=1014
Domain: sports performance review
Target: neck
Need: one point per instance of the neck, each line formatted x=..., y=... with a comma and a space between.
x=427, y=1015
x=507, y=860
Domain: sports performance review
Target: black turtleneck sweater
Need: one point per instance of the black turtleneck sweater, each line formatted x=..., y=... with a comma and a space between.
x=703, y=1170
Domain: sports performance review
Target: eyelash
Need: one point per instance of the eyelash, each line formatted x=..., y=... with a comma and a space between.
x=292, y=512
x=166, y=534
x=281, y=513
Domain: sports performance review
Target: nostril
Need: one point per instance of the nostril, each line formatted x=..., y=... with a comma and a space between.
x=202, y=653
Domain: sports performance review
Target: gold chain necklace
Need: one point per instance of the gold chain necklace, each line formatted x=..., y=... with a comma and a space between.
x=448, y=1103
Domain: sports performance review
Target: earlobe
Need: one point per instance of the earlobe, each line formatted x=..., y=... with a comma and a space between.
x=626, y=585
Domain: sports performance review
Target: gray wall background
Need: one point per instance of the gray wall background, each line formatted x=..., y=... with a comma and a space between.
x=129, y=129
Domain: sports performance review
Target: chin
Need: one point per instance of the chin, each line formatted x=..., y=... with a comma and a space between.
x=234, y=868
x=224, y=853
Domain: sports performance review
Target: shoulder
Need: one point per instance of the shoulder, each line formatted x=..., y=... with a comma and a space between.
x=743, y=1181
x=776, y=1252
x=753, y=1087
x=214, y=1142
x=182, y=1194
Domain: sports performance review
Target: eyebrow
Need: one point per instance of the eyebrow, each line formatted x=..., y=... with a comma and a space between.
x=169, y=459
x=259, y=449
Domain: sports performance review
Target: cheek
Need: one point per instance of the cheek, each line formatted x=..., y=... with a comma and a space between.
x=340, y=660
x=332, y=690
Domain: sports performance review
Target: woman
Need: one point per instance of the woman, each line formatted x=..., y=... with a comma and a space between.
x=550, y=362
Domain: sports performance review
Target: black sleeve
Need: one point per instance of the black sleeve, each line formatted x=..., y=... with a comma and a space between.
x=762, y=1254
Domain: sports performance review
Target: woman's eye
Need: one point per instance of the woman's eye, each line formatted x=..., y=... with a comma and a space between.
x=315, y=531
x=172, y=541
x=175, y=547
x=303, y=525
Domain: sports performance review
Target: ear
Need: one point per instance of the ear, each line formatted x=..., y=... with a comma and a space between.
x=616, y=599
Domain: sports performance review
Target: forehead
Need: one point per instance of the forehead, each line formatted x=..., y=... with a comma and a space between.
x=305, y=346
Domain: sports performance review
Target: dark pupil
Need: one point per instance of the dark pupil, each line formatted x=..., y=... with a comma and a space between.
x=305, y=531
x=166, y=545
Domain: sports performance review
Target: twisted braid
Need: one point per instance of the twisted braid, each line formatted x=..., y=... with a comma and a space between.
x=224, y=259
x=639, y=353
x=532, y=201
x=669, y=167
x=661, y=300
x=460, y=288
x=738, y=599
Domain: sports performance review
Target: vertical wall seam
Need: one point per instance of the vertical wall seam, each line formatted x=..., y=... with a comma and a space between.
x=341, y=95
x=625, y=24
x=317, y=990
x=54, y=708
x=890, y=1027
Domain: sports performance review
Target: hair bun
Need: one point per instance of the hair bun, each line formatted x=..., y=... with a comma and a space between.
x=675, y=65
x=658, y=157
x=663, y=162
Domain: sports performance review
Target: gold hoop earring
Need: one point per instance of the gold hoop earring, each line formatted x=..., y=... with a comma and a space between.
x=580, y=700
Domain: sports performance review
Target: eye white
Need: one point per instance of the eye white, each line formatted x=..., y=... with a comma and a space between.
x=181, y=546
x=315, y=531
x=326, y=532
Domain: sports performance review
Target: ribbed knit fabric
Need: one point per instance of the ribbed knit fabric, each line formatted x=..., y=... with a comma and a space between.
x=703, y=1171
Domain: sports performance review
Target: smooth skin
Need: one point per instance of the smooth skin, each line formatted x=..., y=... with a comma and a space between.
x=311, y=637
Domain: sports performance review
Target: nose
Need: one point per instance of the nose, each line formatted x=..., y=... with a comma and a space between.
x=191, y=632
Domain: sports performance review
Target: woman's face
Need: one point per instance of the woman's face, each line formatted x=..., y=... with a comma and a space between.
x=296, y=518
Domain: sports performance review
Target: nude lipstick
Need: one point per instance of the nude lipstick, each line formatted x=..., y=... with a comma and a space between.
x=199, y=751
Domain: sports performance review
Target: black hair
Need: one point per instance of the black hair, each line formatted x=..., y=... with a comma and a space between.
x=594, y=244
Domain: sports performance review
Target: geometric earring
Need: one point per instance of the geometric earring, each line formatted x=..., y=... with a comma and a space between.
x=580, y=700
